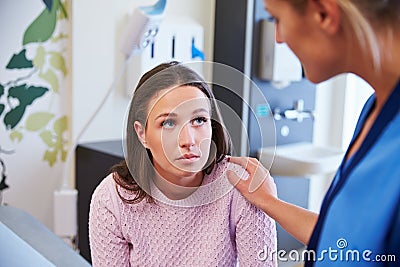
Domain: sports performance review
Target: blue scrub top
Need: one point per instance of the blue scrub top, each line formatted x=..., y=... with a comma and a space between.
x=359, y=222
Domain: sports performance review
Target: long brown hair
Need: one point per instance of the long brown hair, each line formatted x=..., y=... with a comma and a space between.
x=134, y=173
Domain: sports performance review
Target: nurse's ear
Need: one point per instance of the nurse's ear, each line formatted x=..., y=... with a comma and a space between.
x=140, y=131
x=327, y=14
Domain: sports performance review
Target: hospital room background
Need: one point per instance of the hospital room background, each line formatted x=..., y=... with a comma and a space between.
x=60, y=60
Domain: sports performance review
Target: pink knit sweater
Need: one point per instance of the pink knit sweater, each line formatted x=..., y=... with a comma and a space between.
x=215, y=226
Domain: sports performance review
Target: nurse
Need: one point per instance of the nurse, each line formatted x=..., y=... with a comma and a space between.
x=359, y=221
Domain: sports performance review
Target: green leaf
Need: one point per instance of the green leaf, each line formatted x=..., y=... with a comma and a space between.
x=64, y=155
x=58, y=62
x=59, y=37
x=51, y=78
x=15, y=135
x=47, y=138
x=63, y=13
x=12, y=118
x=19, y=61
x=50, y=157
x=39, y=59
x=48, y=3
x=58, y=144
x=43, y=26
x=37, y=121
x=2, y=107
x=26, y=96
x=61, y=125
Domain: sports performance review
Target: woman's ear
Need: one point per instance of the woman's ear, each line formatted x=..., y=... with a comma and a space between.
x=140, y=131
x=327, y=14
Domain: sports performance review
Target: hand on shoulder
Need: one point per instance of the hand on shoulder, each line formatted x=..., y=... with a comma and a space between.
x=259, y=187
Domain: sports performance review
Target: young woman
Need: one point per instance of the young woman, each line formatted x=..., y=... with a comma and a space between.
x=360, y=215
x=169, y=203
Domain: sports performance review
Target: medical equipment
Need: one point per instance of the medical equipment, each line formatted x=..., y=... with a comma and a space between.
x=143, y=25
x=179, y=38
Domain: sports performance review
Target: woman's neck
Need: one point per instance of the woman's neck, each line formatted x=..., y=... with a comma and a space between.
x=383, y=81
x=384, y=78
x=179, y=188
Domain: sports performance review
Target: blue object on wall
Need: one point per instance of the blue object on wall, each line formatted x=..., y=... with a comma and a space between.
x=157, y=9
x=196, y=52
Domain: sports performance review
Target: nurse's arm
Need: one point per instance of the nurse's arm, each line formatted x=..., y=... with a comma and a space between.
x=260, y=189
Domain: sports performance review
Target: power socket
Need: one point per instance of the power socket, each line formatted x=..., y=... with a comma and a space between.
x=65, y=213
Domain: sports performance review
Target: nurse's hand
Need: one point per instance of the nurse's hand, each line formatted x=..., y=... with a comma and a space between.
x=259, y=188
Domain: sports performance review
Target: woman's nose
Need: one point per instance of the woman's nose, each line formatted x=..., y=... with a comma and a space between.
x=187, y=136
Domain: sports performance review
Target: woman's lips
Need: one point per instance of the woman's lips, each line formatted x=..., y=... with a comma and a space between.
x=189, y=157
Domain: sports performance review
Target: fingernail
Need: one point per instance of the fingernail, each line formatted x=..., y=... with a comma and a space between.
x=232, y=177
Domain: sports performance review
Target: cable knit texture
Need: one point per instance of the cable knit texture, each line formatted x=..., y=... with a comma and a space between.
x=221, y=232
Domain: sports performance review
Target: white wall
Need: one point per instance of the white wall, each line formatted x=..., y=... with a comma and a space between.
x=338, y=104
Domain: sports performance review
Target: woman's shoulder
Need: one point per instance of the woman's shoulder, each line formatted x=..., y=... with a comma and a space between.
x=238, y=201
x=221, y=168
x=102, y=190
x=107, y=182
x=104, y=198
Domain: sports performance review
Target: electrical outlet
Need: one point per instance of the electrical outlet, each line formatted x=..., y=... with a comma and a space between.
x=65, y=212
x=178, y=39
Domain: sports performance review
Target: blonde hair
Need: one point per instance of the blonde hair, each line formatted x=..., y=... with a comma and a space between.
x=367, y=20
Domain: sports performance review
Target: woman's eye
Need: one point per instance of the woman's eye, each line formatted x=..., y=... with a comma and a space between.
x=199, y=121
x=168, y=124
